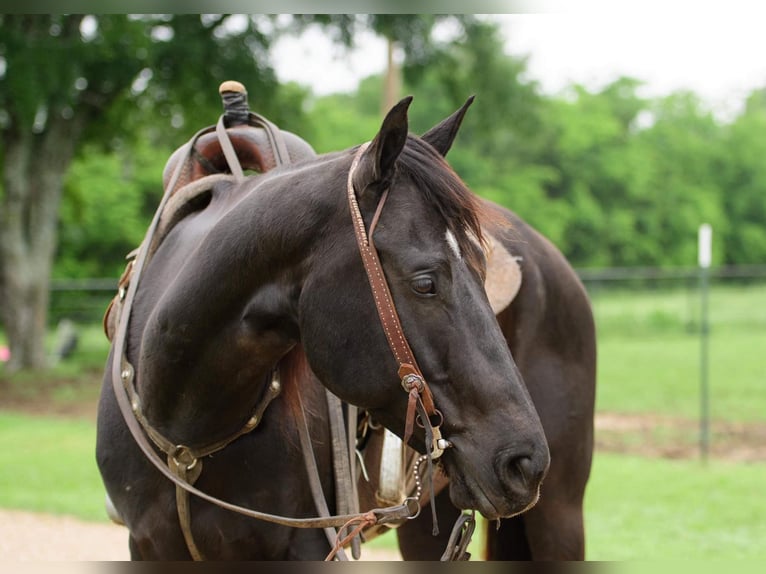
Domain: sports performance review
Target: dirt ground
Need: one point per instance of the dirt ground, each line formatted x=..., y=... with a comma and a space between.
x=664, y=436
x=27, y=536
x=31, y=537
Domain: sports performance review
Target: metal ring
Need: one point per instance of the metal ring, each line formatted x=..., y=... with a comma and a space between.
x=182, y=451
x=417, y=503
x=419, y=422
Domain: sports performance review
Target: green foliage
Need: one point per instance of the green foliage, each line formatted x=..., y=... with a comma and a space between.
x=341, y=121
x=613, y=178
x=744, y=183
x=108, y=203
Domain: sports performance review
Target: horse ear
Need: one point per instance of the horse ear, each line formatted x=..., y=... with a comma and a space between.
x=377, y=163
x=443, y=134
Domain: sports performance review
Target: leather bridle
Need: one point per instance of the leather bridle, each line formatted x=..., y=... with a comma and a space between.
x=412, y=379
x=420, y=402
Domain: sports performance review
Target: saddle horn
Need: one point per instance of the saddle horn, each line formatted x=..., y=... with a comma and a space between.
x=259, y=144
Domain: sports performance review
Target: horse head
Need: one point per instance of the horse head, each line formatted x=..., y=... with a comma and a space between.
x=428, y=240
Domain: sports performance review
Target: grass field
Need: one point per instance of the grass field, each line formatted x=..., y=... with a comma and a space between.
x=49, y=465
x=643, y=509
x=661, y=374
x=649, y=352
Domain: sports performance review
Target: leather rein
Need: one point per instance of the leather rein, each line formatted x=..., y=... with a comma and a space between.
x=184, y=464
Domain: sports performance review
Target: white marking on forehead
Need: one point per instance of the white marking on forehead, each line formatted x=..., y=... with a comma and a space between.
x=452, y=242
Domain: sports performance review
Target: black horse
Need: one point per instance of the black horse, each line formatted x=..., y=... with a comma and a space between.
x=265, y=274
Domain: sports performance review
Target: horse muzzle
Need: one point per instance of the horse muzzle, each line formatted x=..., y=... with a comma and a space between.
x=502, y=485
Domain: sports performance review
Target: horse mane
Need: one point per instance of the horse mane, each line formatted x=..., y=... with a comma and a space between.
x=443, y=189
x=299, y=384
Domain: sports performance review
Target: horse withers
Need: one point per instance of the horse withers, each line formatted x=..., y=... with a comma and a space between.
x=264, y=271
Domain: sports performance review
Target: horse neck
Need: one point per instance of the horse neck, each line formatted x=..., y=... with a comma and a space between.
x=204, y=343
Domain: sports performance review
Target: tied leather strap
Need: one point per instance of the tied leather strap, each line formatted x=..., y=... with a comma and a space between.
x=409, y=372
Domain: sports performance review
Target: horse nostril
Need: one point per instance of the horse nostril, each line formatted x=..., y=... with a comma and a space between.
x=522, y=471
x=525, y=469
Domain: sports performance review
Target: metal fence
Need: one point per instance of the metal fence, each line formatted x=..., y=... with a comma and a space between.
x=84, y=300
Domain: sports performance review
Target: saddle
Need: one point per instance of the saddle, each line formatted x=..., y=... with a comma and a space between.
x=241, y=141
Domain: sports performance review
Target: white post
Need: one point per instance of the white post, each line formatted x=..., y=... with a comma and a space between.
x=704, y=257
x=705, y=245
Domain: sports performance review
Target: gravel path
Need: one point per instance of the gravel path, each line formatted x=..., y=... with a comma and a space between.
x=27, y=536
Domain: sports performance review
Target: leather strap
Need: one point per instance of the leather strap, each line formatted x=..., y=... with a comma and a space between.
x=228, y=150
x=420, y=401
x=281, y=152
x=312, y=471
x=409, y=372
x=460, y=538
x=346, y=498
x=182, y=503
x=384, y=515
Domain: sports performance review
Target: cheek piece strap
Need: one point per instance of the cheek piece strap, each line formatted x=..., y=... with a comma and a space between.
x=420, y=402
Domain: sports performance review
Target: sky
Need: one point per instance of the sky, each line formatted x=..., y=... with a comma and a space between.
x=719, y=54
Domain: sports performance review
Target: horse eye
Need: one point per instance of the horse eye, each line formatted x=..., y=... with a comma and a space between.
x=424, y=286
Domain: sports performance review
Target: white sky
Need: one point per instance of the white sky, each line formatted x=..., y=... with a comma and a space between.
x=721, y=55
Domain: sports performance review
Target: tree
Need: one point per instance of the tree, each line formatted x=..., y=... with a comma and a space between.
x=680, y=187
x=70, y=79
x=67, y=81
x=414, y=35
x=47, y=106
x=744, y=184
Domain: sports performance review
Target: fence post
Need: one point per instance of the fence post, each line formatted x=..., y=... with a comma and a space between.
x=704, y=253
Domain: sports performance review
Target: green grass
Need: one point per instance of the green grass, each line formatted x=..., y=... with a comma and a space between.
x=644, y=509
x=649, y=352
x=48, y=465
x=661, y=374
x=629, y=313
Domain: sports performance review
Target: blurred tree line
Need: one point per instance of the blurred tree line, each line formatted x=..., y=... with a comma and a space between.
x=612, y=178
x=92, y=106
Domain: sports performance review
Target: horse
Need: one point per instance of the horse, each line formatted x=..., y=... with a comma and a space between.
x=261, y=298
